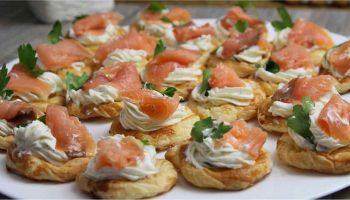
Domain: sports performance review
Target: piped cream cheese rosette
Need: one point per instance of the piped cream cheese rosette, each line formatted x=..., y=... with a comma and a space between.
x=318, y=136
x=243, y=50
x=100, y=95
x=156, y=116
x=223, y=95
x=56, y=148
x=274, y=111
x=336, y=62
x=290, y=62
x=129, y=169
x=136, y=47
x=179, y=68
x=224, y=156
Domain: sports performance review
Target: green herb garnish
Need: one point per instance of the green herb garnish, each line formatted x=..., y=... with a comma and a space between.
x=169, y=91
x=42, y=119
x=55, y=34
x=199, y=127
x=167, y=20
x=160, y=47
x=4, y=79
x=27, y=57
x=245, y=4
x=241, y=26
x=74, y=82
x=149, y=86
x=145, y=142
x=300, y=122
x=272, y=67
x=286, y=20
x=205, y=82
x=220, y=131
x=156, y=7
x=79, y=17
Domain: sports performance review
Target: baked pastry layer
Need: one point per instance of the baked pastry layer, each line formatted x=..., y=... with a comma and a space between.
x=335, y=162
x=106, y=110
x=57, y=99
x=150, y=186
x=5, y=141
x=37, y=169
x=220, y=178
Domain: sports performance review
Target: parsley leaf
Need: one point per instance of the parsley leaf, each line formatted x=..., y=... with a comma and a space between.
x=199, y=127
x=169, y=91
x=245, y=4
x=272, y=66
x=167, y=20
x=27, y=57
x=4, y=79
x=300, y=122
x=149, y=86
x=145, y=142
x=156, y=7
x=74, y=82
x=79, y=17
x=241, y=26
x=42, y=119
x=55, y=34
x=159, y=48
x=286, y=20
x=220, y=131
x=205, y=82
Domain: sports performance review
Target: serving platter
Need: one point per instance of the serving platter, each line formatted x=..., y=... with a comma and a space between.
x=283, y=182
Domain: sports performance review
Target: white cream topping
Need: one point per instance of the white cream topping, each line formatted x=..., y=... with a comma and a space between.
x=132, y=118
x=285, y=76
x=206, y=155
x=5, y=129
x=182, y=75
x=221, y=32
x=203, y=43
x=240, y=96
x=75, y=65
x=252, y=55
x=142, y=169
x=327, y=65
x=92, y=39
x=50, y=78
x=36, y=139
x=281, y=38
x=100, y=94
x=155, y=29
x=124, y=55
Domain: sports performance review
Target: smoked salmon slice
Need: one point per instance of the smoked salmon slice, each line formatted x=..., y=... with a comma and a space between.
x=243, y=138
x=240, y=41
x=175, y=15
x=235, y=14
x=96, y=24
x=72, y=137
x=190, y=31
x=118, y=154
x=21, y=81
x=292, y=56
x=10, y=109
x=164, y=63
x=132, y=40
x=157, y=107
x=62, y=54
x=308, y=34
x=223, y=76
x=334, y=119
x=313, y=87
x=122, y=76
x=340, y=59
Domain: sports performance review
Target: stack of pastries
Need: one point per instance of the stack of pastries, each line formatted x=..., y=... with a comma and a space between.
x=169, y=84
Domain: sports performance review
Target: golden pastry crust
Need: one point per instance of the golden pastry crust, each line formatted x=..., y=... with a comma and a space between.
x=184, y=90
x=106, y=110
x=343, y=85
x=89, y=67
x=229, y=112
x=317, y=56
x=150, y=186
x=57, y=99
x=268, y=87
x=269, y=122
x=37, y=169
x=163, y=138
x=5, y=141
x=335, y=162
x=220, y=178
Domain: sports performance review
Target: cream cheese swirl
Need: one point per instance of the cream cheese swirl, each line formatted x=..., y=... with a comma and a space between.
x=124, y=55
x=5, y=128
x=99, y=95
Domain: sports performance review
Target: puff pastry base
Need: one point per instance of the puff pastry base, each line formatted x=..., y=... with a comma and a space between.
x=335, y=162
x=220, y=178
x=37, y=169
x=150, y=186
x=58, y=99
x=269, y=122
x=229, y=112
x=163, y=138
x=107, y=110
x=5, y=141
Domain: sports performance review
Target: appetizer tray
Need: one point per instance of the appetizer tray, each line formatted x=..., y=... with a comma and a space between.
x=283, y=182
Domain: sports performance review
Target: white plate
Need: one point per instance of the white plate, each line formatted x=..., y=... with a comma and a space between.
x=283, y=182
